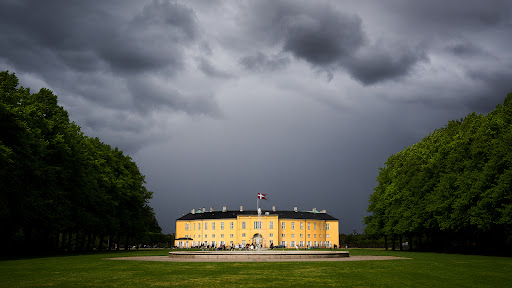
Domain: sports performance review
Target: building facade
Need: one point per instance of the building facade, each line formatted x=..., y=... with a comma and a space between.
x=292, y=229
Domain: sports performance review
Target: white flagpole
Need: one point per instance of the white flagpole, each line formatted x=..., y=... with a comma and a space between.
x=258, y=211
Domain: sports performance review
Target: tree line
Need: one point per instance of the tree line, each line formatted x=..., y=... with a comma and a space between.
x=62, y=190
x=452, y=190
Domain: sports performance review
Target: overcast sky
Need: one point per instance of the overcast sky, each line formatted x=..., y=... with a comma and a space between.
x=217, y=101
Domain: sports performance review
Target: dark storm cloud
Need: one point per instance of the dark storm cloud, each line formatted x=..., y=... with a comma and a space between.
x=92, y=44
x=319, y=34
x=378, y=65
x=261, y=62
x=324, y=37
x=153, y=40
x=329, y=39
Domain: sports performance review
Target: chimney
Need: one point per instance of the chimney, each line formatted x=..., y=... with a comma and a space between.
x=273, y=208
x=224, y=208
x=211, y=209
x=204, y=209
x=295, y=209
x=323, y=211
x=241, y=208
x=193, y=211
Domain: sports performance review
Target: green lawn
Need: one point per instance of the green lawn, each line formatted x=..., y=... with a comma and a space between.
x=423, y=270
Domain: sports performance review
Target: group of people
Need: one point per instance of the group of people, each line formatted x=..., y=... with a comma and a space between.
x=247, y=247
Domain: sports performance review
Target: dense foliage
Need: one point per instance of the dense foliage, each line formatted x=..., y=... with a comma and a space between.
x=451, y=190
x=59, y=189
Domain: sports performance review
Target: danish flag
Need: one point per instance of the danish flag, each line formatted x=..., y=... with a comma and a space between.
x=262, y=196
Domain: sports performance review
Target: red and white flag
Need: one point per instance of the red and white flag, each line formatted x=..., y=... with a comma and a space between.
x=262, y=196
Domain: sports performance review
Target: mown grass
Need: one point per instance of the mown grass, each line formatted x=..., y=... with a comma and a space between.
x=423, y=270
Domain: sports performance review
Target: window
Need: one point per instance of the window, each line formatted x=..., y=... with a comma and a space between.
x=327, y=235
x=198, y=236
x=283, y=225
x=231, y=225
x=283, y=235
x=243, y=225
x=231, y=243
x=205, y=226
x=283, y=243
x=314, y=225
x=271, y=224
x=309, y=243
x=301, y=243
x=221, y=235
x=327, y=226
x=257, y=224
x=309, y=235
x=293, y=228
x=243, y=234
x=186, y=226
x=213, y=226
x=301, y=226
x=243, y=242
x=221, y=225
x=293, y=235
x=213, y=235
x=315, y=235
x=292, y=243
x=230, y=235
x=271, y=235
x=198, y=226
x=301, y=235
x=194, y=226
x=271, y=241
x=205, y=235
x=186, y=236
x=309, y=225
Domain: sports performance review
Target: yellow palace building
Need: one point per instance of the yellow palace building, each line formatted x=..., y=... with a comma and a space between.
x=292, y=229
